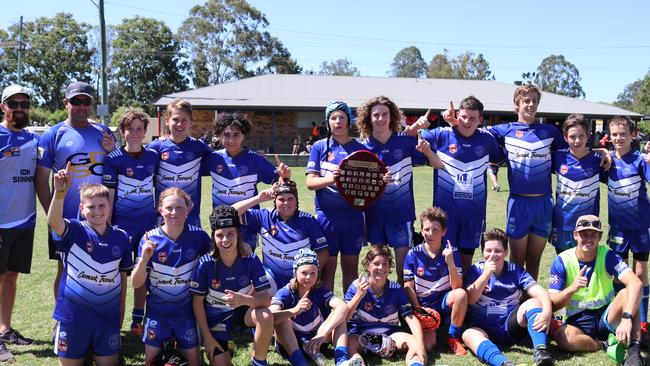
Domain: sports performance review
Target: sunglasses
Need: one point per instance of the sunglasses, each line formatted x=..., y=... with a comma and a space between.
x=13, y=104
x=79, y=101
x=588, y=223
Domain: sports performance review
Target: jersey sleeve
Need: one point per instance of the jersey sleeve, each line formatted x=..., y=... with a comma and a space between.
x=316, y=236
x=349, y=294
x=432, y=137
x=46, y=149
x=253, y=219
x=417, y=158
x=260, y=281
x=282, y=298
x=457, y=262
x=499, y=132
x=524, y=279
x=72, y=229
x=403, y=305
x=409, y=266
x=126, y=263
x=267, y=173
x=206, y=243
x=615, y=265
x=109, y=176
x=497, y=156
x=645, y=167
x=199, y=282
x=206, y=163
x=558, y=139
x=557, y=277
x=313, y=164
x=473, y=273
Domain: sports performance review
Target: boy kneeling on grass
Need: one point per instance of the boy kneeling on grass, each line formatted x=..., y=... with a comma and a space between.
x=96, y=256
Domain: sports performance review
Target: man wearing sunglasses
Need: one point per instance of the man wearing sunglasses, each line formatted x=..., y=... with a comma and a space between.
x=81, y=142
x=18, y=210
x=582, y=282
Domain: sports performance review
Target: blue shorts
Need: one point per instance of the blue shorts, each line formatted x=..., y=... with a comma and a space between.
x=623, y=240
x=562, y=239
x=75, y=341
x=344, y=235
x=463, y=233
x=593, y=322
x=223, y=330
x=505, y=334
x=395, y=235
x=159, y=329
x=529, y=215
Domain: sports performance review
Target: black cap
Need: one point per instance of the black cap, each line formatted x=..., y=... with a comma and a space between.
x=78, y=88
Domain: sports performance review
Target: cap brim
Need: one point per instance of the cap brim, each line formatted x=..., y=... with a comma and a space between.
x=75, y=94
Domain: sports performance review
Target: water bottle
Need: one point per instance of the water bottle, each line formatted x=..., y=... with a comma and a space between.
x=318, y=358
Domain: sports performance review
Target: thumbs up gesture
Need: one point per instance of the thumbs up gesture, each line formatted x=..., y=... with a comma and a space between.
x=581, y=280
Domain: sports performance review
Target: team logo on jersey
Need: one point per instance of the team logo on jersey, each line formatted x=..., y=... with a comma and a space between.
x=216, y=283
x=453, y=148
x=164, y=155
x=89, y=247
x=519, y=134
x=219, y=168
x=162, y=257
x=479, y=150
x=243, y=169
x=12, y=151
x=389, y=309
x=420, y=271
x=189, y=155
x=367, y=306
x=626, y=171
x=330, y=156
x=398, y=154
x=274, y=230
x=63, y=345
x=564, y=169
x=129, y=172
x=190, y=254
x=117, y=252
x=151, y=169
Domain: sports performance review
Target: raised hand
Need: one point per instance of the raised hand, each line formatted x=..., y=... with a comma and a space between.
x=581, y=280
x=108, y=141
x=450, y=115
x=303, y=305
x=62, y=180
x=423, y=145
x=448, y=253
x=490, y=267
x=233, y=299
x=266, y=195
x=284, y=171
x=362, y=285
x=148, y=247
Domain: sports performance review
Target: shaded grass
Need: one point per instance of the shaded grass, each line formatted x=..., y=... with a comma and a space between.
x=34, y=304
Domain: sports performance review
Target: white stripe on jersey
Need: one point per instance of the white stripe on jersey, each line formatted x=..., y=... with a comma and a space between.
x=310, y=327
x=624, y=189
x=164, y=279
x=577, y=192
x=215, y=299
x=233, y=190
x=401, y=173
x=425, y=288
x=365, y=317
x=188, y=173
x=520, y=151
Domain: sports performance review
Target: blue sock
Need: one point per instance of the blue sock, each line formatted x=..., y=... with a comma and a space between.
x=537, y=336
x=416, y=363
x=137, y=315
x=490, y=354
x=297, y=358
x=341, y=354
x=256, y=362
x=454, y=331
x=644, y=303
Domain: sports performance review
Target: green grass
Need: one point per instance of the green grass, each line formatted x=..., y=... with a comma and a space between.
x=34, y=304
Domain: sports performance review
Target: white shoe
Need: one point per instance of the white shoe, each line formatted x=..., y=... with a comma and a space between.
x=355, y=361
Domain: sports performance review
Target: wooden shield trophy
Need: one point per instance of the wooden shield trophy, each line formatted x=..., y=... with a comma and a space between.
x=360, y=181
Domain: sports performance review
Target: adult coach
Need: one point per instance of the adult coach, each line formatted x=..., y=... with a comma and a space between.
x=79, y=141
x=582, y=282
x=18, y=211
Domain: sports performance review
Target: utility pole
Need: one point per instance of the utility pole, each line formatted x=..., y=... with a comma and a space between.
x=20, y=51
x=102, y=29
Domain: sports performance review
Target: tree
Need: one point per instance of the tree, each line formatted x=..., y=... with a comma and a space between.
x=408, y=63
x=147, y=62
x=341, y=66
x=627, y=98
x=226, y=39
x=280, y=61
x=557, y=75
x=464, y=66
x=55, y=53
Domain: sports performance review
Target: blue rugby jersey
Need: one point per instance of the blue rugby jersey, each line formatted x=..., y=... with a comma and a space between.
x=235, y=178
x=430, y=275
x=379, y=314
x=281, y=240
x=170, y=271
x=133, y=181
x=399, y=155
x=83, y=148
x=212, y=278
x=528, y=151
x=614, y=265
x=308, y=321
x=180, y=166
x=501, y=294
x=578, y=188
x=89, y=291
x=460, y=188
x=328, y=201
x=627, y=199
x=18, y=166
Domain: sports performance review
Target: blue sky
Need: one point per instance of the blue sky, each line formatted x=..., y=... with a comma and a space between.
x=607, y=40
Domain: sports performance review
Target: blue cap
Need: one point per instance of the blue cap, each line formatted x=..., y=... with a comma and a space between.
x=304, y=256
x=338, y=105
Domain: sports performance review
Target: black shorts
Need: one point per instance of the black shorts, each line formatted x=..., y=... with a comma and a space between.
x=51, y=247
x=16, y=247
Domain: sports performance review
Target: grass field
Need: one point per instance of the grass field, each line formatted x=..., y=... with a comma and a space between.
x=34, y=304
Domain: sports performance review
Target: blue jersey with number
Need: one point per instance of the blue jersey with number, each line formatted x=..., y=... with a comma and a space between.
x=460, y=188
x=501, y=294
x=18, y=166
x=528, y=151
x=80, y=146
x=89, y=291
x=323, y=161
x=212, y=278
x=578, y=188
x=379, y=314
x=308, y=321
x=627, y=199
x=430, y=275
x=399, y=155
x=281, y=240
x=180, y=166
x=133, y=181
x=170, y=271
x=235, y=178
